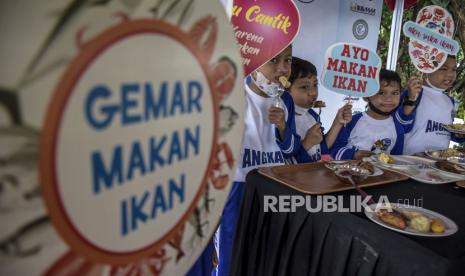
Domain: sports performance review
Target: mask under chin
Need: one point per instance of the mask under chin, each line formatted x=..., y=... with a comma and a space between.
x=434, y=87
x=378, y=111
x=271, y=89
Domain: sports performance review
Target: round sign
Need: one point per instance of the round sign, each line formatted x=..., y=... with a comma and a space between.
x=138, y=143
x=122, y=130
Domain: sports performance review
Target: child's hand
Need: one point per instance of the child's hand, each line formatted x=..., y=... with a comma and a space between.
x=414, y=87
x=313, y=136
x=344, y=114
x=277, y=116
x=359, y=155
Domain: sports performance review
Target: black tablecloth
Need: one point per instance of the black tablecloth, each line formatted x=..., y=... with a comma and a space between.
x=305, y=243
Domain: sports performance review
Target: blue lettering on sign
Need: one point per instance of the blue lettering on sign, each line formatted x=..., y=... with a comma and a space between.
x=139, y=209
x=433, y=126
x=178, y=146
x=256, y=158
x=101, y=107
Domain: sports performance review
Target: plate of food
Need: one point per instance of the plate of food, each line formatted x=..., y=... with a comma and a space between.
x=451, y=167
x=361, y=167
x=455, y=128
x=445, y=154
x=411, y=220
x=401, y=161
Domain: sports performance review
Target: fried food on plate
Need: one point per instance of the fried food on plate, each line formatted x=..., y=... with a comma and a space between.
x=393, y=218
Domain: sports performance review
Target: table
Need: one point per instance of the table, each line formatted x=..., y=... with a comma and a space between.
x=304, y=243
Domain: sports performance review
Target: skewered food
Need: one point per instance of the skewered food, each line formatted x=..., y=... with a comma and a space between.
x=379, y=145
x=319, y=104
x=284, y=82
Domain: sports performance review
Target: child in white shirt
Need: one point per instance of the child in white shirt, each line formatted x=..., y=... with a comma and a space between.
x=269, y=139
x=304, y=91
x=433, y=109
x=380, y=127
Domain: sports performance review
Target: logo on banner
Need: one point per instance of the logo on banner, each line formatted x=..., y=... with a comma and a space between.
x=133, y=139
x=351, y=70
x=362, y=9
x=360, y=29
x=263, y=29
x=431, y=38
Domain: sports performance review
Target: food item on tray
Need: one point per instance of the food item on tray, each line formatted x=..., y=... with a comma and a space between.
x=460, y=127
x=319, y=104
x=393, y=218
x=411, y=214
x=420, y=223
x=434, y=176
x=450, y=167
x=379, y=145
x=357, y=166
x=284, y=82
x=447, y=153
x=354, y=171
x=386, y=158
x=437, y=226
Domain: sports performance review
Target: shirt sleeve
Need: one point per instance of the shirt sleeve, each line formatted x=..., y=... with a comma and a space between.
x=340, y=150
x=290, y=143
x=406, y=121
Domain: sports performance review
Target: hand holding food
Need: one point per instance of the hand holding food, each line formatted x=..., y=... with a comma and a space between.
x=313, y=136
x=277, y=116
x=344, y=114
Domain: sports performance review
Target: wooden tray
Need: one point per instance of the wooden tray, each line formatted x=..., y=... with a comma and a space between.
x=316, y=179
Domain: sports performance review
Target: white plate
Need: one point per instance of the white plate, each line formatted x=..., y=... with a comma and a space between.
x=427, y=174
x=454, y=130
x=403, y=160
x=430, y=155
x=450, y=226
x=376, y=171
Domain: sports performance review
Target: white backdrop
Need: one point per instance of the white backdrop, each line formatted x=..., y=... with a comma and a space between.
x=325, y=22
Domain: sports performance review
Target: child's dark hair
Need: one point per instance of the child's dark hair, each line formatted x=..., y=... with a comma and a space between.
x=389, y=76
x=301, y=68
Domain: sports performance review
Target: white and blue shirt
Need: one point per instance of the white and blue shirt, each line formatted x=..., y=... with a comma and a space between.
x=364, y=131
x=434, y=110
x=261, y=146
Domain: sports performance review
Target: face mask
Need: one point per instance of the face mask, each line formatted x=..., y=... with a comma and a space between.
x=434, y=87
x=376, y=110
x=269, y=88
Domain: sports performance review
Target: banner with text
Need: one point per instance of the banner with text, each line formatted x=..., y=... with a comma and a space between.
x=351, y=70
x=263, y=29
x=327, y=22
x=138, y=145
